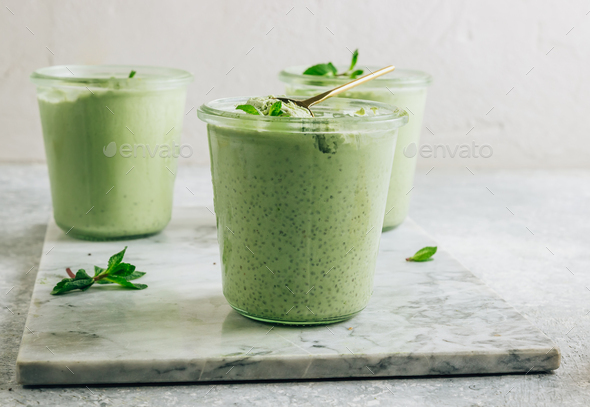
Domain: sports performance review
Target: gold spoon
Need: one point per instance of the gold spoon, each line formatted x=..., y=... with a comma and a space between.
x=307, y=103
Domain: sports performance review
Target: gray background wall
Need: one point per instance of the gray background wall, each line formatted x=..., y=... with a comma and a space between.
x=477, y=51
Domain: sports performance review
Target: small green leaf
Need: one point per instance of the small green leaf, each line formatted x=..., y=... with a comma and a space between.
x=132, y=74
x=81, y=275
x=123, y=270
x=132, y=276
x=355, y=56
x=356, y=73
x=69, y=284
x=423, y=254
x=60, y=287
x=116, y=259
x=248, y=109
x=374, y=109
x=275, y=109
x=123, y=282
x=98, y=270
x=361, y=111
x=321, y=70
x=135, y=275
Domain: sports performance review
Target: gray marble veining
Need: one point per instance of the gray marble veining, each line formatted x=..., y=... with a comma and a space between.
x=431, y=318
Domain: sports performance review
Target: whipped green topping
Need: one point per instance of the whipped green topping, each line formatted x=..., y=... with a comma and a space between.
x=271, y=106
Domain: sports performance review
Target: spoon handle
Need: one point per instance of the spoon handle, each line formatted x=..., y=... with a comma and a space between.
x=336, y=91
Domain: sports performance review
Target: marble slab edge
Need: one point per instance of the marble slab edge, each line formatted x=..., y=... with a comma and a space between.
x=316, y=367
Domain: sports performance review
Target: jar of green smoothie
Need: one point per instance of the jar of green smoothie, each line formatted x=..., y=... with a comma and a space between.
x=299, y=203
x=112, y=138
x=404, y=88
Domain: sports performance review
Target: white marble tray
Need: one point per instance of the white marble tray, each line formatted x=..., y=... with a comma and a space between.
x=432, y=318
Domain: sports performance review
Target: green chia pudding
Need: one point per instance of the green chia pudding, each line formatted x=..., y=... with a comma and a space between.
x=111, y=144
x=403, y=88
x=299, y=202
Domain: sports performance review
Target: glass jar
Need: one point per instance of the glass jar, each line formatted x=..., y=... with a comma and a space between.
x=404, y=88
x=299, y=203
x=111, y=144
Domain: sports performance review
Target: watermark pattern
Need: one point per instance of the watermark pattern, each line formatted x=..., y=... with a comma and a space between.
x=447, y=150
x=126, y=150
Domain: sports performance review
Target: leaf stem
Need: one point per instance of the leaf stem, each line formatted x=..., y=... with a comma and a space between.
x=101, y=276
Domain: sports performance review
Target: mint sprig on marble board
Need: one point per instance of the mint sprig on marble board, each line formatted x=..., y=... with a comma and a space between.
x=116, y=272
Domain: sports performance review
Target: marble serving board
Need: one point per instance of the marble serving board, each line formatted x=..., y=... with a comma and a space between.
x=433, y=318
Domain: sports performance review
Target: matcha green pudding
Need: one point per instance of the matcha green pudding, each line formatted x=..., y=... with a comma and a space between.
x=299, y=202
x=403, y=88
x=111, y=143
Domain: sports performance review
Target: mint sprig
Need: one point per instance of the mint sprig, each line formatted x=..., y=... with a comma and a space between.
x=275, y=109
x=330, y=70
x=132, y=74
x=116, y=272
x=423, y=254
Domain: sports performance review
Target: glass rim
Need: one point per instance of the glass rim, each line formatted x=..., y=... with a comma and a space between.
x=399, y=78
x=111, y=76
x=214, y=114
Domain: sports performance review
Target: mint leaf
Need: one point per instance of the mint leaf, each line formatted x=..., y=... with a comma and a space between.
x=123, y=270
x=275, y=109
x=81, y=275
x=355, y=74
x=116, y=259
x=248, y=109
x=321, y=69
x=123, y=281
x=132, y=276
x=132, y=74
x=116, y=272
x=355, y=57
x=64, y=286
x=81, y=281
x=423, y=254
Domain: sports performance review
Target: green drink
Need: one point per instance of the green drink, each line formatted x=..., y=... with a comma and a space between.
x=299, y=203
x=403, y=88
x=111, y=144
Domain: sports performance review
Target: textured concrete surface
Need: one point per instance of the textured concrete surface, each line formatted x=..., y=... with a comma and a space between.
x=509, y=73
x=481, y=218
